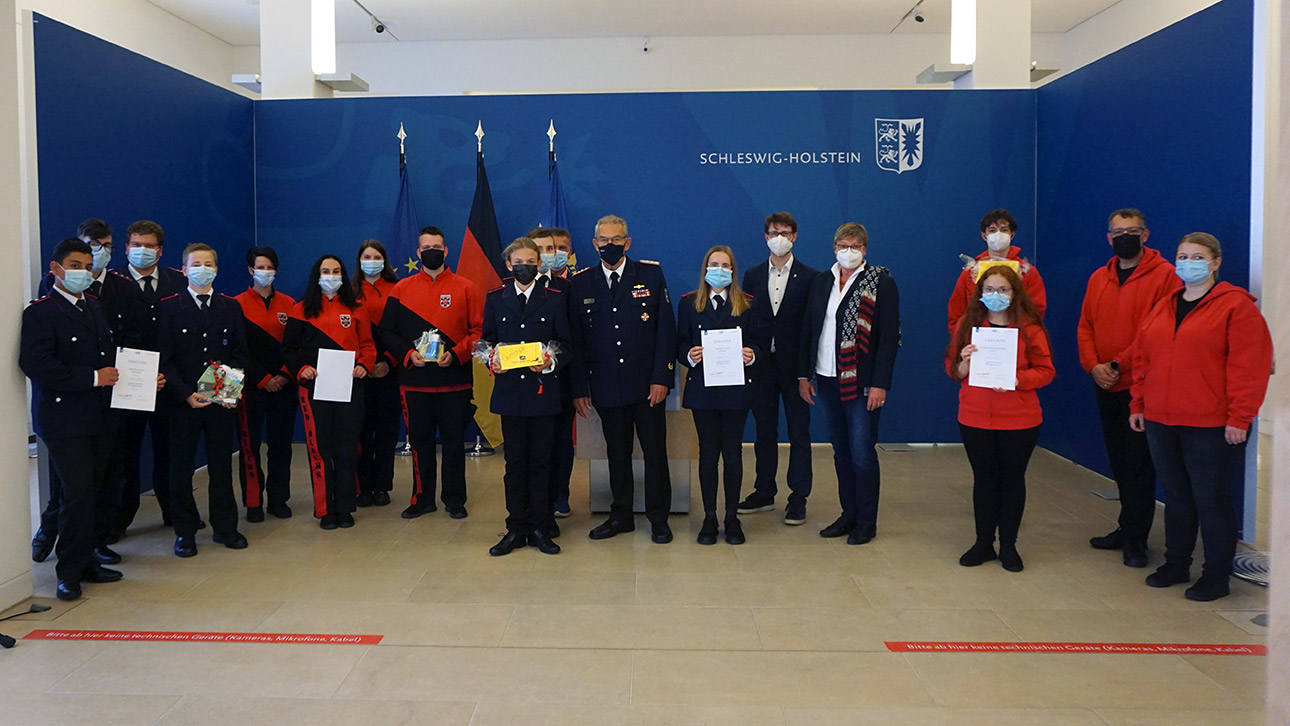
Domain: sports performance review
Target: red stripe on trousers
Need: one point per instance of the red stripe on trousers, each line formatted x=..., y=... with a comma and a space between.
x=317, y=468
x=251, y=492
x=416, y=463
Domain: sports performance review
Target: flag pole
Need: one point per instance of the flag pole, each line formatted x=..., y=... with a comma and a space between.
x=478, y=449
x=406, y=449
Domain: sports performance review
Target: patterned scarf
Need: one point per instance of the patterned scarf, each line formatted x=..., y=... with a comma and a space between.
x=857, y=325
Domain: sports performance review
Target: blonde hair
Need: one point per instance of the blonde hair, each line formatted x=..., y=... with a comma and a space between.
x=738, y=301
x=520, y=243
x=1206, y=240
x=199, y=247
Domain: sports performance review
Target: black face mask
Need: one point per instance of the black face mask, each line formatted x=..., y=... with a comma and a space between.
x=431, y=259
x=612, y=253
x=524, y=274
x=1127, y=246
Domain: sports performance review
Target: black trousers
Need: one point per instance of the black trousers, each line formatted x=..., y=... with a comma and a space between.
x=527, y=479
x=215, y=425
x=999, y=459
x=561, y=468
x=106, y=505
x=331, y=435
x=446, y=414
x=379, y=439
x=266, y=417
x=1198, y=470
x=158, y=426
x=1135, y=476
x=82, y=467
x=721, y=435
x=780, y=383
x=650, y=426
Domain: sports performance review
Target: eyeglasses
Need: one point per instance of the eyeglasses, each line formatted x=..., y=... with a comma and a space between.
x=846, y=246
x=1117, y=231
x=999, y=290
x=96, y=246
x=721, y=265
x=616, y=240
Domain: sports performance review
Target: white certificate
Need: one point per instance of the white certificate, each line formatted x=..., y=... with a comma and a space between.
x=136, y=384
x=335, y=381
x=994, y=364
x=723, y=357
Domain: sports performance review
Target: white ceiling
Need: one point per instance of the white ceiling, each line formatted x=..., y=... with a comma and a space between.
x=237, y=21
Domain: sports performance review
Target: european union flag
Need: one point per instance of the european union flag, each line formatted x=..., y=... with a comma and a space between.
x=402, y=241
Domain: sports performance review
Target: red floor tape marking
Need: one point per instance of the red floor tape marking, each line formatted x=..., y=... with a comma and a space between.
x=905, y=646
x=153, y=636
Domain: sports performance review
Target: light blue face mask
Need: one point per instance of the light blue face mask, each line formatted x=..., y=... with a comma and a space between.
x=554, y=261
x=264, y=278
x=142, y=257
x=718, y=277
x=1192, y=271
x=329, y=283
x=102, y=256
x=77, y=281
x=372, y=267
x=200, y=276
x=996, y=302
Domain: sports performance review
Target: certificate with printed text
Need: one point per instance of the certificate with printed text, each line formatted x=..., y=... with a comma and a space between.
x=136, y=385
x=994, y=364
x=723, y=357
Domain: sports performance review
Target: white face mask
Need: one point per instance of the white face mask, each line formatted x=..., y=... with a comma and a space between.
x=849, y=258
x=998, y=241
x=779, y=245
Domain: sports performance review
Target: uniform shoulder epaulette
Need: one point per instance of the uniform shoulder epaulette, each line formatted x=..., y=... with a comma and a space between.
x=228, y=297
x=175, y=269
x=38, y=300
x=555, y=290
x=648, y=262
x=121, y=275
x=585, y=269
x=691, y=293
x=747, y=295
x=170, y=297
x=499, y=288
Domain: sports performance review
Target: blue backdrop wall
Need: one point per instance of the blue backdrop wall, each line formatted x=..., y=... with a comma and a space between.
x=1162, y=125
x=327, y=176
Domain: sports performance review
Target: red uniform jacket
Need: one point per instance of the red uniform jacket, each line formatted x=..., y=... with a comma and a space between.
x=266, y=322
x=966, y=285
x=449, y=303
x=1212, y=370
x=337, y=327
x=986, y=408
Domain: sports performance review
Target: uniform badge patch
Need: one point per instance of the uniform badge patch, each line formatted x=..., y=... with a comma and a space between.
x=282, y=318
x=644, y=317
x=345, y=321
x=640, y=291
x=445, y=301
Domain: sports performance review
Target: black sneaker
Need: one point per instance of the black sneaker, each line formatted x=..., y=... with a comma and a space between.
x=756, y=503
x=1009, y=558
x=254, y=514
x=1112, y=541
x=981, y=553
x=734, y=532
x=416, y=510
x=1168, y=575
x=381, y=499
x=363, y=500
x=1209, y=587
x=345, y=520
x=1135, y=554
x=708, y=532
x=456, y=511
x=795, y=513
x=840, y=528
x=329, y=522
x=281, y=511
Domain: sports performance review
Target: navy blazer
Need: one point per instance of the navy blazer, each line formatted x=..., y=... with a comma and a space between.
x=875, y=368
x=116, y=295
x=191, y=340
x=626, y=342
x=544, y=319
x=689, y=333
x=147, y=316
x=62, y=346
x=784, y=329
x=570, y=362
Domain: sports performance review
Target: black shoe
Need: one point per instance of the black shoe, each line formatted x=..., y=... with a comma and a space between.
x=1168, y=575
x=232, y=540
x=68, y=590
x=381, y=499
x=980, y=553
x=201, y=524
x=105, y=556
x=508, y=544
x=1112, y=541
x=281, y=511
x=345, y=520
x=840, y=528
x=708, y=532
x=862, y=534
x=660, y=533
x=455, y=511
x=553, y=531
x=329, y=522
x=42, y=546
x=545, y=545
x=794, y=513
x=100, y=574
x=756, y=503
x=734, y=532
x=1209, y=587
x=185, y=546
x=416, y=510
x=1135, y=554
x=610, y=528
x=363, y=500
x=255, y=515
x=1009, y=558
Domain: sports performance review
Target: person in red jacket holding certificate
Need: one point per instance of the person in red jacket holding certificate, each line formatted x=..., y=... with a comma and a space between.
x=1000, y=426
x=1201, y=363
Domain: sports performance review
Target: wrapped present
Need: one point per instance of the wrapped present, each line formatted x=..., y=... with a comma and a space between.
x=220, y=384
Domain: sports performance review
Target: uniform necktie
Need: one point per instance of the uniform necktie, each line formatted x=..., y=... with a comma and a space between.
x=613, y=283
x=149, y=289
x=82, y=306
x=523, y=300
x=718, y=302
x=204, y=303
x=96, y=288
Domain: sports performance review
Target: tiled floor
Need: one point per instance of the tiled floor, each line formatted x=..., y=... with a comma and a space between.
x=788, y=629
